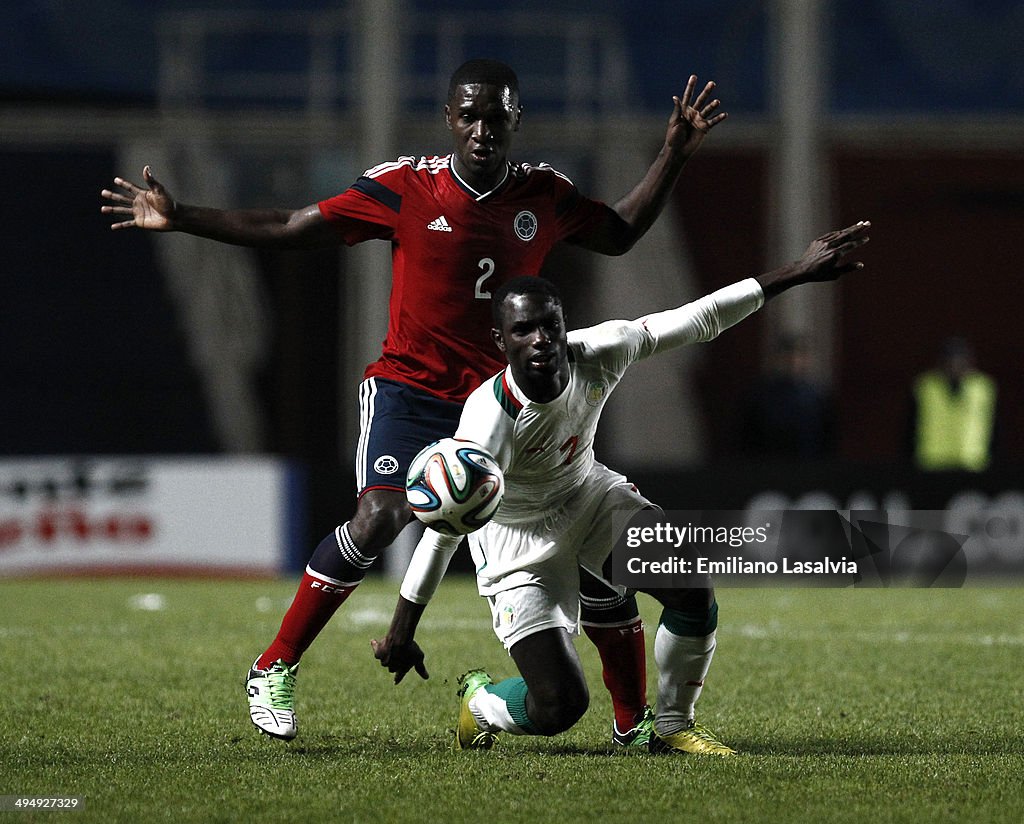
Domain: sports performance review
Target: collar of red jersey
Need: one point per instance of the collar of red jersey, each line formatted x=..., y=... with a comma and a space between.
x=469, y=189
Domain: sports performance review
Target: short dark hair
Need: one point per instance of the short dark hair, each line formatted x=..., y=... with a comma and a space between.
x=483, y=70
x=522, y=285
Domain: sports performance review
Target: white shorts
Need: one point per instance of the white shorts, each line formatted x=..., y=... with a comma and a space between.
x=530, y=608
x=529, y=572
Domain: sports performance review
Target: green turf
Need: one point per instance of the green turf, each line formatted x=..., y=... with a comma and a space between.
x=867, y=705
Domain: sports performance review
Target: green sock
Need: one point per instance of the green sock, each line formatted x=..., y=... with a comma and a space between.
x=513, y=692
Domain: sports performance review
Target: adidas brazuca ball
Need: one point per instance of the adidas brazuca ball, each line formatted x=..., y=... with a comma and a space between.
x=454, y=486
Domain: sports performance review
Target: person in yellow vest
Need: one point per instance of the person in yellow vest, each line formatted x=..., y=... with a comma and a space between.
x=954, y=413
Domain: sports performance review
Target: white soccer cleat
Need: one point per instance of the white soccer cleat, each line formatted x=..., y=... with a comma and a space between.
x=271, y=695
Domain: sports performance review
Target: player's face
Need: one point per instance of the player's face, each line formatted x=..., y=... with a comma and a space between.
x=533, y=338
x=482, y=118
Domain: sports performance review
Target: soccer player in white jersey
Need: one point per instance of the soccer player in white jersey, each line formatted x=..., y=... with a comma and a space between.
x=538, y=417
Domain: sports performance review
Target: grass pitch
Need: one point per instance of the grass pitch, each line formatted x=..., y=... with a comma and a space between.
x=847, y=705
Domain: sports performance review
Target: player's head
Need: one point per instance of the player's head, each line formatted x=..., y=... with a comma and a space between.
x=484, y=71
x=483, y=113
x=529, y=327
x=517, y=286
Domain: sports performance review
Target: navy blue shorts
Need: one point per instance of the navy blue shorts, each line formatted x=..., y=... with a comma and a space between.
x=395, y=422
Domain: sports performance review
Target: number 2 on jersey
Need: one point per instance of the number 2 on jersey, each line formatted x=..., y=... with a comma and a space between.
x=569, y=448
x=487, y=266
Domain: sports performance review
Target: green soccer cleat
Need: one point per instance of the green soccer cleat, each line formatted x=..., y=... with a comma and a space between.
x=468, y=735
x=639, y=735
x=271, y=694
x=695, y=740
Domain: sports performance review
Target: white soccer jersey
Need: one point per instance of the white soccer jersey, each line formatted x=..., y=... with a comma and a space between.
x=546, y=450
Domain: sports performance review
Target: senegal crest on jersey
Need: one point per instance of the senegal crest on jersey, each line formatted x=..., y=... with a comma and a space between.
x=596, y=391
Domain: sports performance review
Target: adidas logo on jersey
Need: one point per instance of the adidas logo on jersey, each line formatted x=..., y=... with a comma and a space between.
x=439, y=225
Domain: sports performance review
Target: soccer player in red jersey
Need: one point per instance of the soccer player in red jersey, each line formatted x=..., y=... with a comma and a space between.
x=459, y=226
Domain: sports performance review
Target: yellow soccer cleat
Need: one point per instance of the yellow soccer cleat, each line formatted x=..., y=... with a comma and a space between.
x=468, y=735
x=695, y=740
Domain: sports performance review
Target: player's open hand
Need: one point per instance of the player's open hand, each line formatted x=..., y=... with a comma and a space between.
x=690, y=123
x=150, y=208
x=399, y=659
x=828, y=257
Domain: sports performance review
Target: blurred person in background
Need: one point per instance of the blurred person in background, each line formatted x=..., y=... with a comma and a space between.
x=953, y=412
x=788, y=413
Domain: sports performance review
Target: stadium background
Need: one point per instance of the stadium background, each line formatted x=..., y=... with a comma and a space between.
x=909, y=115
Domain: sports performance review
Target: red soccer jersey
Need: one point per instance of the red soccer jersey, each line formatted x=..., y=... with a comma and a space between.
x=450, y=248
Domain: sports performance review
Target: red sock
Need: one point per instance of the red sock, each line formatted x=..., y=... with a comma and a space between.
x=315, y=602
x=624, y=662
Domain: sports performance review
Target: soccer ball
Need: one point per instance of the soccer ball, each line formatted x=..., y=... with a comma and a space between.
x=454, y=486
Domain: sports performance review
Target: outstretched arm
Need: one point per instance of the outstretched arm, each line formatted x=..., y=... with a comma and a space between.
x=635, y=213
x=398, y=651
x=152, y=207
x=827, y=258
